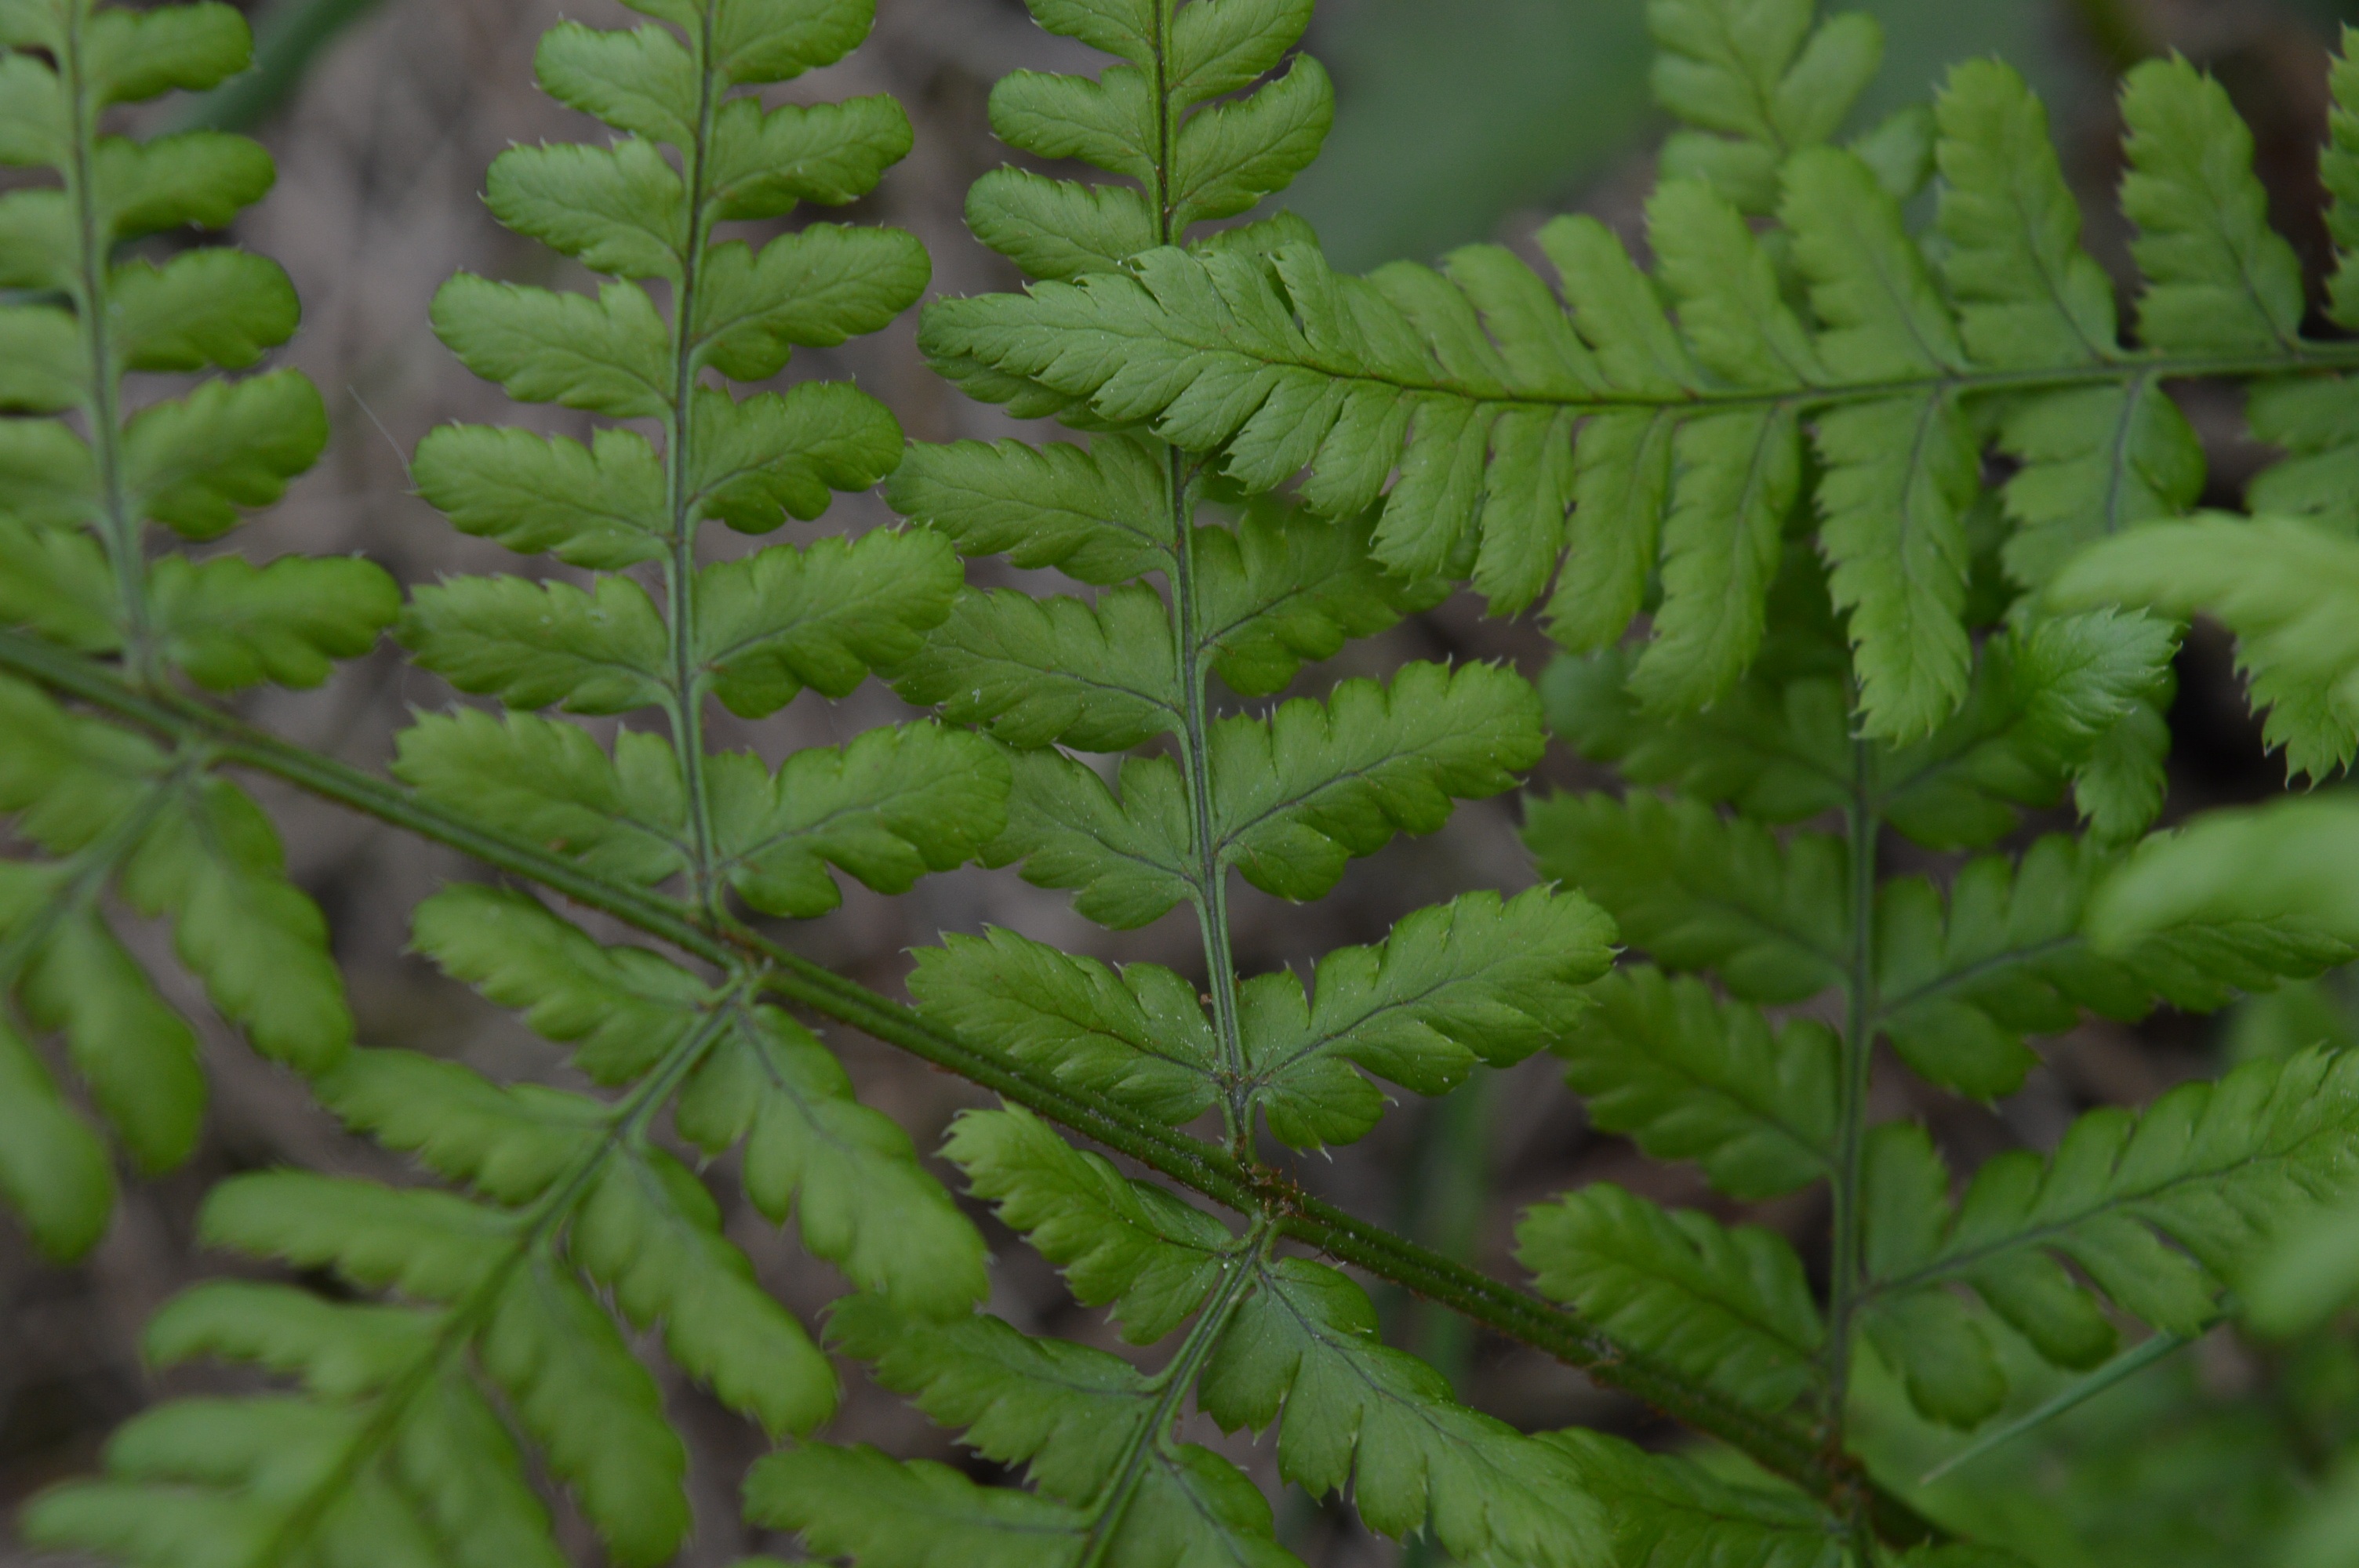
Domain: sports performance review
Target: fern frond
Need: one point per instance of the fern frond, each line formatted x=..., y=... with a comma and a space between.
x=76, y=503
x=571, y=1195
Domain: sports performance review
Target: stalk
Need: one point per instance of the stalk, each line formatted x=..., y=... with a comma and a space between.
x=101, y=408
x=686, y=706
x=1211, y=878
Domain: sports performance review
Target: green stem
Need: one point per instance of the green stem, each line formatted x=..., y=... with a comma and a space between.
x=686, y=705
x=2119, y=369
x=1214, y=1172
x=1212, y=900
x=1211, y=876
x=102, y=407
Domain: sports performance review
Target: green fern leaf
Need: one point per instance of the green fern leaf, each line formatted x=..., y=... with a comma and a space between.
x=1900, y=474
x=1696, y=890
x=2218, y=277
x=1097, y=513
x=2279, y=868
x=2051, y=701
x=1319, y=783
x=1303, y=1352
x=864, y=1505
x=2311, y=419
x=1284, y=589
x=1728, y=1308
x=1065, y=1412
x=204, y=1481
x=2027, y=293
x=888, y=807
x=1958, y=991
x=600, y=506
x=1081, y=1419
x=848, y=1173
x=510, y=1144
x=2211, y=1167
x=227, y=623
x=1039, y=672
x=1763, y=78
x=774, y=623
x=139, y=1057
x=193, y=464
x=210, y=306
x=607, y=355
x=621, y=1008
x=593, y=1408
x=213, y=863
x=542, y=644
x=2096, y=463
x=1130, y=857
x=1137, y=1035
x=54, y=1170
x=1778, y=751
x=551, y=783
x=650, y=1232
x=1122, y=1243
x=1231, y=155
x=1474, y=980
x=1689, y=1079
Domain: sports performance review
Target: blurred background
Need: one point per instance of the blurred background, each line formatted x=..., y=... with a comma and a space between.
x=1459, y=120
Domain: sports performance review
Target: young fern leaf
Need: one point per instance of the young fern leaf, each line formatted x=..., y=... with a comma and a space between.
x=84, y=326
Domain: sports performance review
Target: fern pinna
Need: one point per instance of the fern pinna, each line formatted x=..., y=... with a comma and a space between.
x=91, y=456
x=395, y=1451
x=1282, y=798
x=1772, y=448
